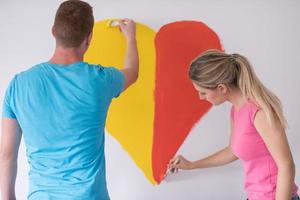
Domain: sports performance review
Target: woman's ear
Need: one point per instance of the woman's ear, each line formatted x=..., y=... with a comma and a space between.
x=222, y=88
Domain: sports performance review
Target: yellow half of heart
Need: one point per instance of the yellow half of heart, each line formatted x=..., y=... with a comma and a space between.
x=131, y=116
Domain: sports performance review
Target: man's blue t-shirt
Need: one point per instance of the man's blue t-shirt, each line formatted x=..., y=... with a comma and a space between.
x=62, y=110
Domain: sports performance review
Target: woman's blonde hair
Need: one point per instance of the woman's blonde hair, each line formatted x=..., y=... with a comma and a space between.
x=214, y=67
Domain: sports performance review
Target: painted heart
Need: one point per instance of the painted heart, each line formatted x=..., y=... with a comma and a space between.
x=155, y=115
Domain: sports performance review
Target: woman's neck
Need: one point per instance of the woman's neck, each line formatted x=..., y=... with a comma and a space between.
x=237, y=98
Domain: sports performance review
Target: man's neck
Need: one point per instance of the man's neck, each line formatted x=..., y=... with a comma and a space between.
x=66, y=55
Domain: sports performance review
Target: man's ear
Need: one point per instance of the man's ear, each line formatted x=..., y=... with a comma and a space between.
x=53, y=31
x=222, y=88
x=89, y=38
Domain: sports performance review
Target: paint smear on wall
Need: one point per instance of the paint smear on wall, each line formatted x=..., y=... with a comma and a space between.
x=177, y=104
x=154, y=116
x=130, y=117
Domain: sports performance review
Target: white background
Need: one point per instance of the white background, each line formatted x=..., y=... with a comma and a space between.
x=266, y=31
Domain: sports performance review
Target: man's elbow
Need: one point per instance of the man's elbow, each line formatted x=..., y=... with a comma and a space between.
x=8, y=156
x=135, y=75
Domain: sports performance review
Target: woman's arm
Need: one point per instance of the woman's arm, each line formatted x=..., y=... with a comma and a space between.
x=219, y=158
x=277, y=144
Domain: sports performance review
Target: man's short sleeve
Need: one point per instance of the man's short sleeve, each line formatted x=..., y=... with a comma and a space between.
x=116, y=81
x=7, y=107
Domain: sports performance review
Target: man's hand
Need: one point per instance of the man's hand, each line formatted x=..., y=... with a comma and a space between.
x=128, y=28
x=131, y=66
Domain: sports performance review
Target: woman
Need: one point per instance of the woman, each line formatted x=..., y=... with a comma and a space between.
x=257, y=122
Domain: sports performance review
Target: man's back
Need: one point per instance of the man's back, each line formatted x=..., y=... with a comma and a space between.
x=61, y=110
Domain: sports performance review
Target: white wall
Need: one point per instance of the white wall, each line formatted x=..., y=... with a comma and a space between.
x=267, y=32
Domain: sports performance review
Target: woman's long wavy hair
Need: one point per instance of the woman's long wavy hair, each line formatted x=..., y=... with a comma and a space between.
x=214, y=67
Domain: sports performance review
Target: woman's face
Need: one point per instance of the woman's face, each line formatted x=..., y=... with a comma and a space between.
x=214, y=96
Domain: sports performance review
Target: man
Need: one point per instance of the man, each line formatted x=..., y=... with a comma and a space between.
x=60, y=108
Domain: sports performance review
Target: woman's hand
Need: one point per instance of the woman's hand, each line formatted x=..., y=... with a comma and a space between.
x=179, y=162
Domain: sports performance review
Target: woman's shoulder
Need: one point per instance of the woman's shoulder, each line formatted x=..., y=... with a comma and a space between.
x=252, y=104
x=252, y=108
